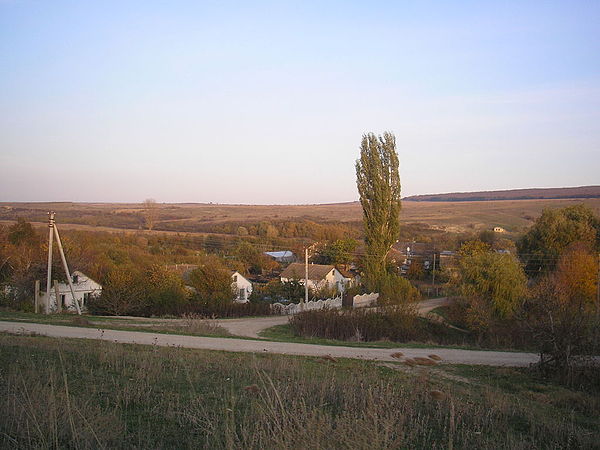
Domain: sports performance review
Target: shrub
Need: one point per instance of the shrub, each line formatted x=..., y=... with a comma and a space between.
x=396, y=323
x=564, y=323
x=227, y=309
x=395, y=290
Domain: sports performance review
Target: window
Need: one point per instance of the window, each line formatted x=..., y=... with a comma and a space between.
x=235, y=278
x=86, y=297
x=75, y=279
x=62, y=299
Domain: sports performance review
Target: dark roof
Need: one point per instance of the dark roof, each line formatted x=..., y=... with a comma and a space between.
x=346, y=273
x=296, y=271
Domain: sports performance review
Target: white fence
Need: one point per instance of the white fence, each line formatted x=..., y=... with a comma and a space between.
x=359, y=301
x=362, y=301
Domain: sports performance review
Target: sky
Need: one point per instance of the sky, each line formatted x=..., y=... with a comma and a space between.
x=266, y=102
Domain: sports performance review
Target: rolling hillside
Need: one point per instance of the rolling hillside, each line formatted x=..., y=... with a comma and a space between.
x=512, y=194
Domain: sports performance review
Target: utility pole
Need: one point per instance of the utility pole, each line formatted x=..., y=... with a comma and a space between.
x=36, y=296
x=305, y=278
x=49, y=279
x=54, y=232
x=433, y=272
x=64, y=263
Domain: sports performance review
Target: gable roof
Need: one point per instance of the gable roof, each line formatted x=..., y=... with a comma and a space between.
x=296, y=271
x=281, y=254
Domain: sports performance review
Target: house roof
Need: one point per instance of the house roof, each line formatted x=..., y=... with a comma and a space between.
x=282, y=254
x=296, y=271
x=345, y=273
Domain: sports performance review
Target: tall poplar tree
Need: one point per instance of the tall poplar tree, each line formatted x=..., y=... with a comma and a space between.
x=378, y=182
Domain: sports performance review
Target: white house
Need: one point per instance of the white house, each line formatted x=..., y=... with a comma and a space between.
x=84, y=288
x=241, y=287
x=283, y=257
x=319, y=275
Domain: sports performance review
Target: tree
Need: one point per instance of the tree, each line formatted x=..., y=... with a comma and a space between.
x=338, y=252
x=150, y=212
x=212, y=281
x=553, y=232
x=122, y=294
x=21, y=232
x=493, y=287
x=378, y=182
x=562, y=325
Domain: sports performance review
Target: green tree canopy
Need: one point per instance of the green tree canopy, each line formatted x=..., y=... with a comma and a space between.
x=21, y=232
x=212, y=281
x=493, y=284
x=378, y=182
x=338, y=252
x=553, y=232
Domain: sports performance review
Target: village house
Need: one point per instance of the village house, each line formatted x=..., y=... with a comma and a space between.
x=84, y=288
x=319, y=275
x=241, y=286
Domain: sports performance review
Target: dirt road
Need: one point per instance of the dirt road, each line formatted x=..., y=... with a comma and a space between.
x=451, y=356
x=250, y=327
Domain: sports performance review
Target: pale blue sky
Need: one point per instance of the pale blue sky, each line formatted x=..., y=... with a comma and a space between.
x=266, y=102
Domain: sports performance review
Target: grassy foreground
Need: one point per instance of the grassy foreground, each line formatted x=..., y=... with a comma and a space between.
x=87, y=394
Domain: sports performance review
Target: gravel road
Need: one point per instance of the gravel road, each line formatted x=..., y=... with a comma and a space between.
x=451, y=356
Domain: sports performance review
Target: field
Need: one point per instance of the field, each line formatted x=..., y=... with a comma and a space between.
x=513, y=215
x=81, y=394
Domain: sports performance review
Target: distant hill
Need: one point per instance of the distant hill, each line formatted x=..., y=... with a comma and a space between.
x=512, y=194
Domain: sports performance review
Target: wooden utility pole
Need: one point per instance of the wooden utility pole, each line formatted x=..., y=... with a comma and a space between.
x=49, y=279
x=305, y=278
x=433, y=271
x=64, y=263
x=57, y=293
x=36, y=296
x=54, y=232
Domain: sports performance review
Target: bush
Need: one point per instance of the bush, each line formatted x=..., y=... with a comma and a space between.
x=154, y=291
x=395, y=290
x=396, y=323
x=227, y=309
x=564, y=323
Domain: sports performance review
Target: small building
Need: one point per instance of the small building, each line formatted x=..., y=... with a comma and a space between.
x=84, y=288
x=499, y=230
x=319, y=275
x=241, y=287
x=282, y=257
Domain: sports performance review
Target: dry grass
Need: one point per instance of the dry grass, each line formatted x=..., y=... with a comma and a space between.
x=79, y=394
x=512, y=215
x=194, y=324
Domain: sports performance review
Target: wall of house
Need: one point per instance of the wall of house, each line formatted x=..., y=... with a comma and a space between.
x=242, y=283
x=83, y=286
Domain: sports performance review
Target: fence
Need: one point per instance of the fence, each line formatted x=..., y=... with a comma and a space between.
x=359, y=301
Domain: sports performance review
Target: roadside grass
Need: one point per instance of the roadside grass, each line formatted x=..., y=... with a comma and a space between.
x=87, y=394
x=277, y=333
x=190, y=325
x=285, y=333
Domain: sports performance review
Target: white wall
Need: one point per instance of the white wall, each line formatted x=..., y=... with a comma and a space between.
x=242, y=286
x=85, y=285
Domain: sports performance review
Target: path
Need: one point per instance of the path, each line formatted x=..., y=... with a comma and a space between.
x=452, y=356
x=251, y=326
x=426, y=306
